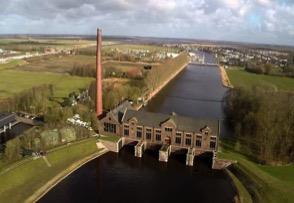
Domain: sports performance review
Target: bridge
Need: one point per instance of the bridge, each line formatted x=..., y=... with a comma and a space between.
x=203, y=64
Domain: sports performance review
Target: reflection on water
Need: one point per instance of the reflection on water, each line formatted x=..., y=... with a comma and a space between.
x=125, y=178
x=112, y=178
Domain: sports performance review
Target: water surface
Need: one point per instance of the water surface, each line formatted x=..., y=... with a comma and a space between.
x=112, y=178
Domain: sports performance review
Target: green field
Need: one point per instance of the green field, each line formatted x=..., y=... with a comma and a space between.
x=20, y=182
x=126, y=47
x=56, y=63
x=265, y=183
x=111, y=138
x=13, y=81
x=35, y=44
x=242, y=78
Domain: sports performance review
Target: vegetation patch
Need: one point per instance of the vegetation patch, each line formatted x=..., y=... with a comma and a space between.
x=13, y=82
x=242, y=78
x=19, y=183
x=260, y=181
x=111, y=138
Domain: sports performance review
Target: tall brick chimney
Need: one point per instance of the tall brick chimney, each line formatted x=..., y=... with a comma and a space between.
x=99, y=106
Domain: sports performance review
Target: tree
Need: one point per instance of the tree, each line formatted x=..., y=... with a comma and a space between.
x=13, y=150
x=94, y=122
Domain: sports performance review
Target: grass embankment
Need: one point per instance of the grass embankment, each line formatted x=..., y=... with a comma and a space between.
x=264, y=183
x=13, y=81
x=19, y=183
x=111, y=138
x=160, y=76
x=241, y=78
x=244, y=195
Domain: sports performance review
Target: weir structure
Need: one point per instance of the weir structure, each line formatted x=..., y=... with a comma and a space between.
x=98, y=102
x=171, y=132
x=166, y=132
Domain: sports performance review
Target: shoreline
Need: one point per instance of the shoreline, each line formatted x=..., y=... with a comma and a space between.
x=225, y=78
x=42, y=191
x=160, y=87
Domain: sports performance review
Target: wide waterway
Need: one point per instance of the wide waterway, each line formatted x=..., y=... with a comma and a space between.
x=112, y=178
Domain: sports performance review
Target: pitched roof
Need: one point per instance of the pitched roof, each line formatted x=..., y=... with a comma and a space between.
x=183, y=123
x=118, y=111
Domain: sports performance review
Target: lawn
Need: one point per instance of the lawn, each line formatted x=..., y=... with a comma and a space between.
x=242, y=78
x=126, y=47
x=19, y=183
x=33, y=44
x=266, y=183
x=111, y=138
x=57, y=63
x=11, y=64
x=13, y=81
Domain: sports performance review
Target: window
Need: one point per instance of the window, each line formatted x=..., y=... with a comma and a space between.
x=109, y=127
x=178, y=140
x=198, y=141
x=188, y=141
x=126, y=130
x=212, y=145
x=188, y=135
x=206, y=132
x=139, y=132
x=148, y=134
x=158, y=137
x=167, y=129
x=213, y=138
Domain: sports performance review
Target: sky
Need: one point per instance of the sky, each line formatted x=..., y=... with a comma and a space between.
x=257, y=21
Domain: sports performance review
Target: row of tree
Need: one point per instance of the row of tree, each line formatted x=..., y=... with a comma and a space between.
x=263, y=122
x=157, y=75
x=269, y=69
x=41, y=139
x=83, y=70
x=114, y=94
x=34, y=100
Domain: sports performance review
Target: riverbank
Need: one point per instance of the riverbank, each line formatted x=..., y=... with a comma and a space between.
x=164, y=83
x=225, y=78
x=263, y=183
x=31, y=180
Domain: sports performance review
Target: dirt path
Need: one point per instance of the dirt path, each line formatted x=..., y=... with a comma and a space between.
x=225, y=78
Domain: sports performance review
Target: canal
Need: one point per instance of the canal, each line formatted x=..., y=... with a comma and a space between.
x=196, y=92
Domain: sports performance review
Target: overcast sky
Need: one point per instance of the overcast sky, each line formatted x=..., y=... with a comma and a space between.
x=261, y=21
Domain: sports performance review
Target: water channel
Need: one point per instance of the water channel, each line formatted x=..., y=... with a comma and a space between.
x=196, y=92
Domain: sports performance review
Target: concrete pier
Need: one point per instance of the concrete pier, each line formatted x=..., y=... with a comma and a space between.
x=190, y=157
x=164, y=152
x=140, y=148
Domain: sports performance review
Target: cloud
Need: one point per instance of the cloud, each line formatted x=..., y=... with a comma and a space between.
x=265, y=21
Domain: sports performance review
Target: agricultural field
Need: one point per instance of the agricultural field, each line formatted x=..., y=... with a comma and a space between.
x=26, y=44
x=14, y=81
x=241, y=78
x=56, y=63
